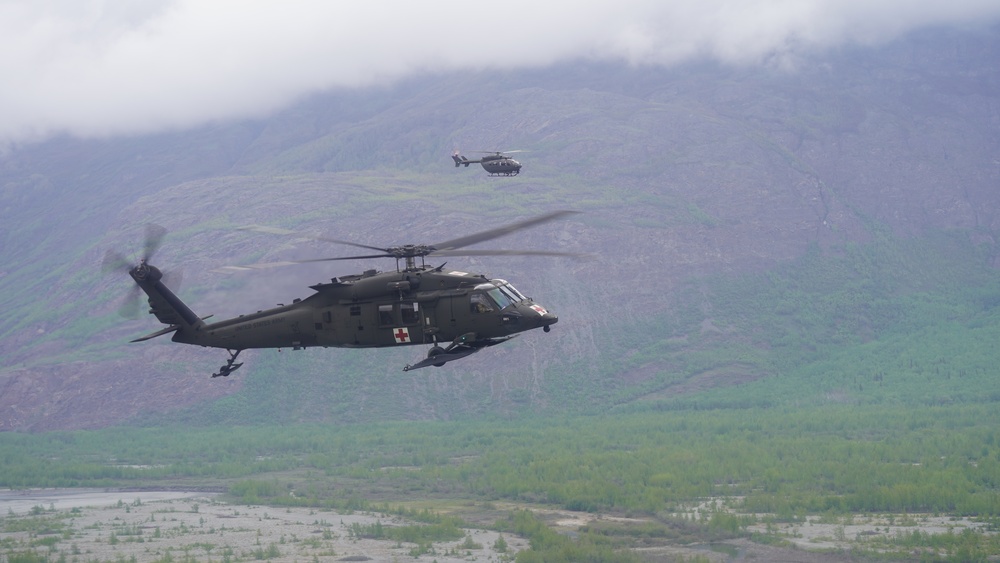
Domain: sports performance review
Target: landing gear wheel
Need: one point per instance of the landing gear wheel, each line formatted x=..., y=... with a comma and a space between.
x=436, y=351
x=230, y=366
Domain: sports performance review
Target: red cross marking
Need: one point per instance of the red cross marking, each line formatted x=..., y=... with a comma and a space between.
x=401, y=335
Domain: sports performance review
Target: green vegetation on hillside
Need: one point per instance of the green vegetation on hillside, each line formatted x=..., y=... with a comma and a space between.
x=888, y=322
x=835, y=458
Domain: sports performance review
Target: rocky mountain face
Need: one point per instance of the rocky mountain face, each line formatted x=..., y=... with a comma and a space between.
x=682, y=175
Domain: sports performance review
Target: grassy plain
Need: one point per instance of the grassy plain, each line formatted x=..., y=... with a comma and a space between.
x=766, y=471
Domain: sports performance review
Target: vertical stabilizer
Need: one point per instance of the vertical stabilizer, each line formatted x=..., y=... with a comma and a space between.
x=167, y=307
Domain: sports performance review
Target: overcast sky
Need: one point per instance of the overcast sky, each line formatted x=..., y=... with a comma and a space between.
x=107, y=67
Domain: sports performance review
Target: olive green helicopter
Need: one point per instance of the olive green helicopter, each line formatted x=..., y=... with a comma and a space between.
x=495, y=163
x=455, y=313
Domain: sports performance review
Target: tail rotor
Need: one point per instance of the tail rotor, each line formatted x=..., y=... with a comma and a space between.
x=115, y=262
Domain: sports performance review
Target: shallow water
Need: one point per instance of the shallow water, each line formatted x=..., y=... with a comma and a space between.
x=22, y=502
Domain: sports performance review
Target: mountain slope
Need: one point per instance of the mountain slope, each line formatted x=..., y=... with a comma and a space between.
x=689, y=178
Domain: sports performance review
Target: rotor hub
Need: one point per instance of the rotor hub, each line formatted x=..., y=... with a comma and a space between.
x=144, y=271
x=409, y=250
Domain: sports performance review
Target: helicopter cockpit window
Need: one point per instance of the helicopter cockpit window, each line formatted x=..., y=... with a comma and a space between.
x=500, y=297
x=510, y=290
x=480, y=303
x=510, y=295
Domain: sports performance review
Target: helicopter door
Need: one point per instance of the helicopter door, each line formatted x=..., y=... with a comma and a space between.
x=399, y=323
x=409, y=314
x=388, y=332
x=355, y=326
x=429, y=317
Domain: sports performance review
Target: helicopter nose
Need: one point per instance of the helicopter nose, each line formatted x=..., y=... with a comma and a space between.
x=545, y=319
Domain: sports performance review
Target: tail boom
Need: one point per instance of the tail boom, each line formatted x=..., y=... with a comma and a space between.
x=167, y=307
x=460, y=160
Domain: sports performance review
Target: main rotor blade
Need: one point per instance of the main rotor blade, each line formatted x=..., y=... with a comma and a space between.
x=286, y=232
x=500, y=231
x=268, y=265
x=447, y=248
x=474, y=252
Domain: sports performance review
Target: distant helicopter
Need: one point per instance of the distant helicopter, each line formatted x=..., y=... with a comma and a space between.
x=497, y=163
x=417, y=304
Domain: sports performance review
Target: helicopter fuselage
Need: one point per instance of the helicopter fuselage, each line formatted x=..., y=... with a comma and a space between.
x=495, y=165
x=422, y=305
x=414, y=305
x=502, y=166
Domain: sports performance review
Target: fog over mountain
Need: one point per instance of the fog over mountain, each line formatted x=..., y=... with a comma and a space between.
x=102, y=68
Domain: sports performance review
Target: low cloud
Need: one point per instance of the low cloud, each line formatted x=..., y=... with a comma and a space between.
x=96, y=68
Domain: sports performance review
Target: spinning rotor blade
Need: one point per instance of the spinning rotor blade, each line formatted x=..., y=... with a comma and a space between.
x=117, y=262
x=286, y=232
x=154, y=237
x=130, y=305
x=114, y=261
x=447, y=248
x=268, y=265
x=173, y=279
x=488, y=252
x=499, y=231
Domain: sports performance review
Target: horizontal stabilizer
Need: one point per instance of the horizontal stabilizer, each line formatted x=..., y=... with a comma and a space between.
x=167, y=330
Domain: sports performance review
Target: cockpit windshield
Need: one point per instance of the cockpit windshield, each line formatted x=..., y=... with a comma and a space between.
x=503, y=295
x=501, y=298
x=509, y=290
